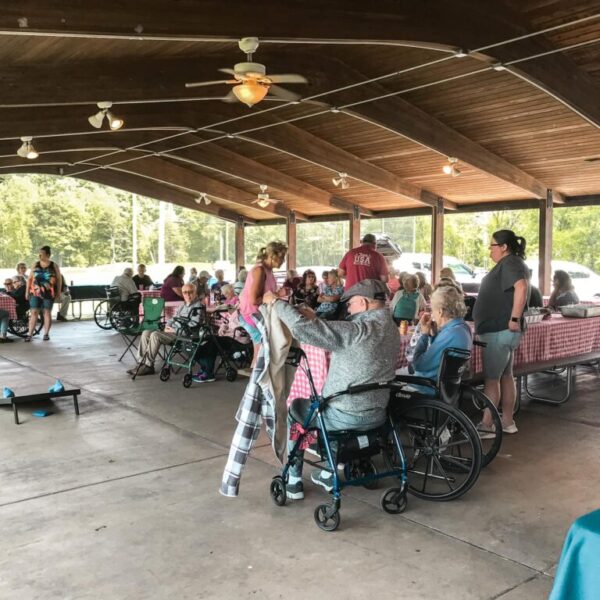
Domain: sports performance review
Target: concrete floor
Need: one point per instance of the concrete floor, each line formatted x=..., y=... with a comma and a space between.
x=122, y=502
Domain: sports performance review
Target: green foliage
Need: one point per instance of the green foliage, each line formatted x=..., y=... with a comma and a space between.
x=88, y=224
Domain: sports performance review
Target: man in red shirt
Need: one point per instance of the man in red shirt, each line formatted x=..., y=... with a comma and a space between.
x=363, y=262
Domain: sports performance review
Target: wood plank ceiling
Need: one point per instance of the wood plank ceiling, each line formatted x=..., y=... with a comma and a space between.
x=387, y=101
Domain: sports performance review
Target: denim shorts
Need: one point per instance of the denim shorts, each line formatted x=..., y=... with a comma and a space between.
x=38, y=303
x=498, y=355
x=252, y=331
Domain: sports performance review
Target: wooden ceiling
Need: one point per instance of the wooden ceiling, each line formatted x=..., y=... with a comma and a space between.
x=387, y=101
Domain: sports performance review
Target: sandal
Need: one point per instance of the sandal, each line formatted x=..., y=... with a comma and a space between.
x=46, y=337
x=27, y=338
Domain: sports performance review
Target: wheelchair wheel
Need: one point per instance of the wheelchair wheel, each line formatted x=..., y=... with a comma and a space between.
x=442, y=447
x=124, y=316
x=394, y=501
x=231, y=374
x=361, y=467
x=20, y=327
x=278, y=491
x=473, y=403
x=102, y=315
x=327, y=517
x=165, y=374
x=187, y=380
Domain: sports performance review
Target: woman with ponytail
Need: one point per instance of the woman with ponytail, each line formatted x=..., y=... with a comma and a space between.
x=498, y=316
x=260, y=279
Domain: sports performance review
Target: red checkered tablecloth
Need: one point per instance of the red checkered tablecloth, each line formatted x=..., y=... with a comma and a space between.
x=9, y=305
x=554, y=338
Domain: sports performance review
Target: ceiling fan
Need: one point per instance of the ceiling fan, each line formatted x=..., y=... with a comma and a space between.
x=252, y=83
x=263, y=199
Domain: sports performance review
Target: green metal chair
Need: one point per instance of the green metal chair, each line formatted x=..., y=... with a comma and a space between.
x=152, y=321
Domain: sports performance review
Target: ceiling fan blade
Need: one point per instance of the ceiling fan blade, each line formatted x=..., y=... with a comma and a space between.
x=203, y=83
x=228, y=71
x=231, y=97
x=282, y=93
x=288, y=78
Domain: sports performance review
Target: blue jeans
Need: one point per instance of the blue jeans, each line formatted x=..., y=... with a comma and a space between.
x=3, y=323
x=335, y=420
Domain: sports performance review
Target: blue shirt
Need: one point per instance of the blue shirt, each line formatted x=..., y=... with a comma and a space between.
x=428, y=352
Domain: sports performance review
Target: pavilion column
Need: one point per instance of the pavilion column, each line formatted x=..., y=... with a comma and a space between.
x=291, y=240
x=354, y=240
x=545, y=243
x=437, y=240
x=239, y=244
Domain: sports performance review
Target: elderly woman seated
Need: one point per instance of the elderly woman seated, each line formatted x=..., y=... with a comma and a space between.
x=443, y=328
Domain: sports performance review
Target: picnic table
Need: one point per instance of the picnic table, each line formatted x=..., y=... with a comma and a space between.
x=9, y=305
x=554, y=340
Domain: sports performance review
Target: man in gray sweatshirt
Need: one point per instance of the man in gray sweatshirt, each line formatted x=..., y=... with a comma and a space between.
x=364, y=349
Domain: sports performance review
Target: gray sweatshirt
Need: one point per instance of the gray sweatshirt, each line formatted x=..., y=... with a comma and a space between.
x=363, y=350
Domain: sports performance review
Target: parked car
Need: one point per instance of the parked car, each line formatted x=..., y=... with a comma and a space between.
x=420, y=261
x=386, y=246
x=585, y=281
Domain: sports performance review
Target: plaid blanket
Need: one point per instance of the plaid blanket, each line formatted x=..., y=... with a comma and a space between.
x=259, y=403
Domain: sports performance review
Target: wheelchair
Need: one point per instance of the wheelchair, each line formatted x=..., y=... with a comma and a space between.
x=114, y=313
x=20, y=325
x=354, y=448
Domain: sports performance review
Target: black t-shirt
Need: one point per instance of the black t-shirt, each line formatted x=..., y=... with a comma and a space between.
x=493, y=309
x=145, y=281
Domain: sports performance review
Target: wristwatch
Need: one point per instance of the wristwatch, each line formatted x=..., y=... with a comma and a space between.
x=515, y=319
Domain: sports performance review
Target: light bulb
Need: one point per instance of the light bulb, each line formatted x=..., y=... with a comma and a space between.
x=114, y=122
x=250, y=92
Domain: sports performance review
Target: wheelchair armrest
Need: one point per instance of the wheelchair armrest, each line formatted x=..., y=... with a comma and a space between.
x=295, y=355
x=411, y=379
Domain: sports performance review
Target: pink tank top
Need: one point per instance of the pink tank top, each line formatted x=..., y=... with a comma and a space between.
x=246, y=308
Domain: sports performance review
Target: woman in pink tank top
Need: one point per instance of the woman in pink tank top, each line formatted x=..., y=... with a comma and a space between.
x=260, y=280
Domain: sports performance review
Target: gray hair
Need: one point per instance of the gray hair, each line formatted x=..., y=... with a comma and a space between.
x=242, y=275
x=449, y=301
x=226, y=289
x=128, y=271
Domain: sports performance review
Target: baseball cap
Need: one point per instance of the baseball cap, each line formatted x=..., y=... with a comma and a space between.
x=368, y=288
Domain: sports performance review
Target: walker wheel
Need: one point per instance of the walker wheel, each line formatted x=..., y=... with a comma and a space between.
x=278, y=491
x=327, y=517
x=394, y=501
x=231, y=374
x=187, y=380
x=165, y=374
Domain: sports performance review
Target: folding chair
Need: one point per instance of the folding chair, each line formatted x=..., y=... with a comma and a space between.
x=152, y=321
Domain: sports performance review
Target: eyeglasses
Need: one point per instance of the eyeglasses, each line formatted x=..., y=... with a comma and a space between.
x=7, y=283
x=188, y=293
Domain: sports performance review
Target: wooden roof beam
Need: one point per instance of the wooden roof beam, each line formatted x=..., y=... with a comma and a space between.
x=171, y=174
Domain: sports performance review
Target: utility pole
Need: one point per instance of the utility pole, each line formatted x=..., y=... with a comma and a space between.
x=162, y=210
x=134, y=211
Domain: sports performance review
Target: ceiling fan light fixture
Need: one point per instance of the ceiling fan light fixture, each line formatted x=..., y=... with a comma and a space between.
x=250, y=92
x=96, y=120
x=262, y=202
x=341, y=181
x=203, y=197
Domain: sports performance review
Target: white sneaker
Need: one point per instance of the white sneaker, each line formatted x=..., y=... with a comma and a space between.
x=486, y=432
x=512, y=428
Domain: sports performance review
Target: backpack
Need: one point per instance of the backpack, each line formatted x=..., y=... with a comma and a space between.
x=406, y=307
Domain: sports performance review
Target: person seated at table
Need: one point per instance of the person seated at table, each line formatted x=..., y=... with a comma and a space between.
x=64, y=299
x=17, y=293
x=324, y=278
x=292, y=281
x=142, y=279
x=228, y=296
x=171, y=289
x=238, y=286
x=363, y=349
x=329, y=298
x=563, y=292
x=408, y=302
x=536, y=299
x=22, y=270
x=393, y=281
x=151, y=341
x=443, y=328
x=307, y=292
x=125, y=284
x=4, y=339
x=202, y=285
x=424, y=286
x=8, y=284
x=216, y=287
x=448, y=273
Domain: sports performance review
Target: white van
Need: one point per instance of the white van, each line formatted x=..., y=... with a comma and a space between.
x=585, y=281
